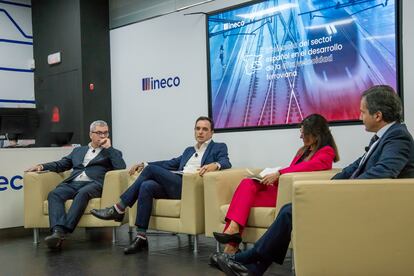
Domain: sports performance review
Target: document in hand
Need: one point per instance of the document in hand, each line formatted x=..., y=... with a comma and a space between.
x=259, y=177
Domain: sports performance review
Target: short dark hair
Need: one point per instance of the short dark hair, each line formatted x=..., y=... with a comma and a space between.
x=383, y=98
x=205, y=118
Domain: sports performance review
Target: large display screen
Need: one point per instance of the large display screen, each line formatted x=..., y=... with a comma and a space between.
x=272, y=63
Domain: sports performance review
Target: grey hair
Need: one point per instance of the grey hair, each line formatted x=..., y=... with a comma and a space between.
x=97, y=123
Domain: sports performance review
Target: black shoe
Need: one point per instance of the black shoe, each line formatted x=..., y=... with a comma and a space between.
x=231, y=267
x=138, y=244
x=55, y=240
x=213, y=258
x=108, y=213
x=226, y=238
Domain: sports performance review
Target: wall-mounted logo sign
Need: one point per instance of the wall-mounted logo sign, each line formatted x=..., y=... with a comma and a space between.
x=155, y=84
x=14, y=183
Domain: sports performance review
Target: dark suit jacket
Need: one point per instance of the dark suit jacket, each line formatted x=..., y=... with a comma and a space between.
x=106, y=160
x=392, y=157
x=215, y=152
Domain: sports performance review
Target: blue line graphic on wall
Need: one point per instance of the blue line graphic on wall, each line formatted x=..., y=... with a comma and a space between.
x=16, y=69
x=16, y=41
x=17, y=101
x=15, y=24
x=15, y=4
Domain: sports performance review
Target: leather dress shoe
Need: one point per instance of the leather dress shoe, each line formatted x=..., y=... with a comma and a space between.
x=55, y=240
x=138, y=244
x=231, y=267
x=108, y=213
x=226, y=238
x=213, y=258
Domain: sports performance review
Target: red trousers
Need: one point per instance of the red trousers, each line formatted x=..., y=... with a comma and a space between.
x=250, y=193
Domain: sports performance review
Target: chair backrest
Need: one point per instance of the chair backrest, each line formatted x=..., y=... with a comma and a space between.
x=353, y=227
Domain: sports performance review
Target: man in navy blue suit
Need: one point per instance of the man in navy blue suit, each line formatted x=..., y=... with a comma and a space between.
x=389, y=155
x=89, y=164
x=163, y=179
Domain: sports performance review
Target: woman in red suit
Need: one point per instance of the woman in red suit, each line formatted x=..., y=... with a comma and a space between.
x=317, y=154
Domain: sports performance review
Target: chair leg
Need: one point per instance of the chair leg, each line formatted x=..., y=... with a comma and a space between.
x=217, y=247
x=131, y=229
x=292, y=261
x=195, y=244
x=113, y=235
x=36, y=236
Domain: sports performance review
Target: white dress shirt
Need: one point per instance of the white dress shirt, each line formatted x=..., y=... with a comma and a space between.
x=90, y=154
x=194, y=163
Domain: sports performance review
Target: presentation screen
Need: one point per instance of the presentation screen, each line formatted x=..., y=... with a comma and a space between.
x=272, y=63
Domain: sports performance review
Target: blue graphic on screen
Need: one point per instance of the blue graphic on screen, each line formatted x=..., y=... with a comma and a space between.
x=275, y=62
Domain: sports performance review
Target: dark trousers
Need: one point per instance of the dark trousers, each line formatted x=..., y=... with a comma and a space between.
x=81, y=192
x=153, y=182
x=272, y=246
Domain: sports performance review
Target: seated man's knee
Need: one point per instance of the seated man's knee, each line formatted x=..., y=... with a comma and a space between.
x=147, y=188
x=53, y=195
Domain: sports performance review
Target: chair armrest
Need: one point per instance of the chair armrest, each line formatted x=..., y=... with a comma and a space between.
x=115, y=183
x=354, y=226
x=219, y=188
x=192, y=204
x=285, y=186
x=36, y=189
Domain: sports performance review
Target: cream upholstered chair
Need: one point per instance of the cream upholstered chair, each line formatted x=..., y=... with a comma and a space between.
x=219, y=188
x=353, y=227
x=38, y=185
x=185, y=215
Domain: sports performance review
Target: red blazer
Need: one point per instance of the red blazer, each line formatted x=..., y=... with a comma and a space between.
x=320, y=161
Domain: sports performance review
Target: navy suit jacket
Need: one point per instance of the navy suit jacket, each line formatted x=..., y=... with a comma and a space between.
x=215, y=152
x=107, y=160
x=392, y=157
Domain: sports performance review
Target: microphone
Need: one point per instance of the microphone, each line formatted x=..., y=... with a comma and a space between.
x=366, y=149
x=196, y=154
x=93, y=151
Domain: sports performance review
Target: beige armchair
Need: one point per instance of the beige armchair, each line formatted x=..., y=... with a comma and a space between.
x=185, y=215
x=353, y=227
x=37, y=187
x=218, y=192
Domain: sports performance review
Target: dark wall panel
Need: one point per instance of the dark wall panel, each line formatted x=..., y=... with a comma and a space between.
x=78, y=29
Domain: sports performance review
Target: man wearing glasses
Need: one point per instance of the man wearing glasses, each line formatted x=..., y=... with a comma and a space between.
x=89, y=164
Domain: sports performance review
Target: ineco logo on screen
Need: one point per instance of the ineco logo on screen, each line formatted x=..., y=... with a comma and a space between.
x=228, y=26
x=152, y=84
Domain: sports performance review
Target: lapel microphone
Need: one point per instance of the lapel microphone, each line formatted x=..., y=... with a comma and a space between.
x=196, y=154
x=93, y=151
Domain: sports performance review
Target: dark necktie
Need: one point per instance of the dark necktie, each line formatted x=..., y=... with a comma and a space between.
x=361, y=165
x=373, y=140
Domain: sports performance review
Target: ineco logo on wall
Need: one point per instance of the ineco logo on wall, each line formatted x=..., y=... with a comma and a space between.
x=233, y=25
x=154, y=84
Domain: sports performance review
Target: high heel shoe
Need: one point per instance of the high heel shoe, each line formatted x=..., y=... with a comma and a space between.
x=226, y=238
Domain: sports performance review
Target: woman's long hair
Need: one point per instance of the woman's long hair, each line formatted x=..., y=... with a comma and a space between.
x=316, y=125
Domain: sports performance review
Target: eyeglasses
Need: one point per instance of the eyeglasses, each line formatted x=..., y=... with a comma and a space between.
x=100, y=133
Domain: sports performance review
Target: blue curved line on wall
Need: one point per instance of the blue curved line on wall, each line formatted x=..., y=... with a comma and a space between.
x=15, y=24
x=15, y=41
x=16, y=70
x=17, y=101
x=16, y=4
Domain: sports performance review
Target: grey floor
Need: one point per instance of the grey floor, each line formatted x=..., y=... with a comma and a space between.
x=91, y=252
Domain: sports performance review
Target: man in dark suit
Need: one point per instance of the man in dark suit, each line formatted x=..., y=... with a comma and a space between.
x=163, y=179
x=389, y=155
x=89, y=164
